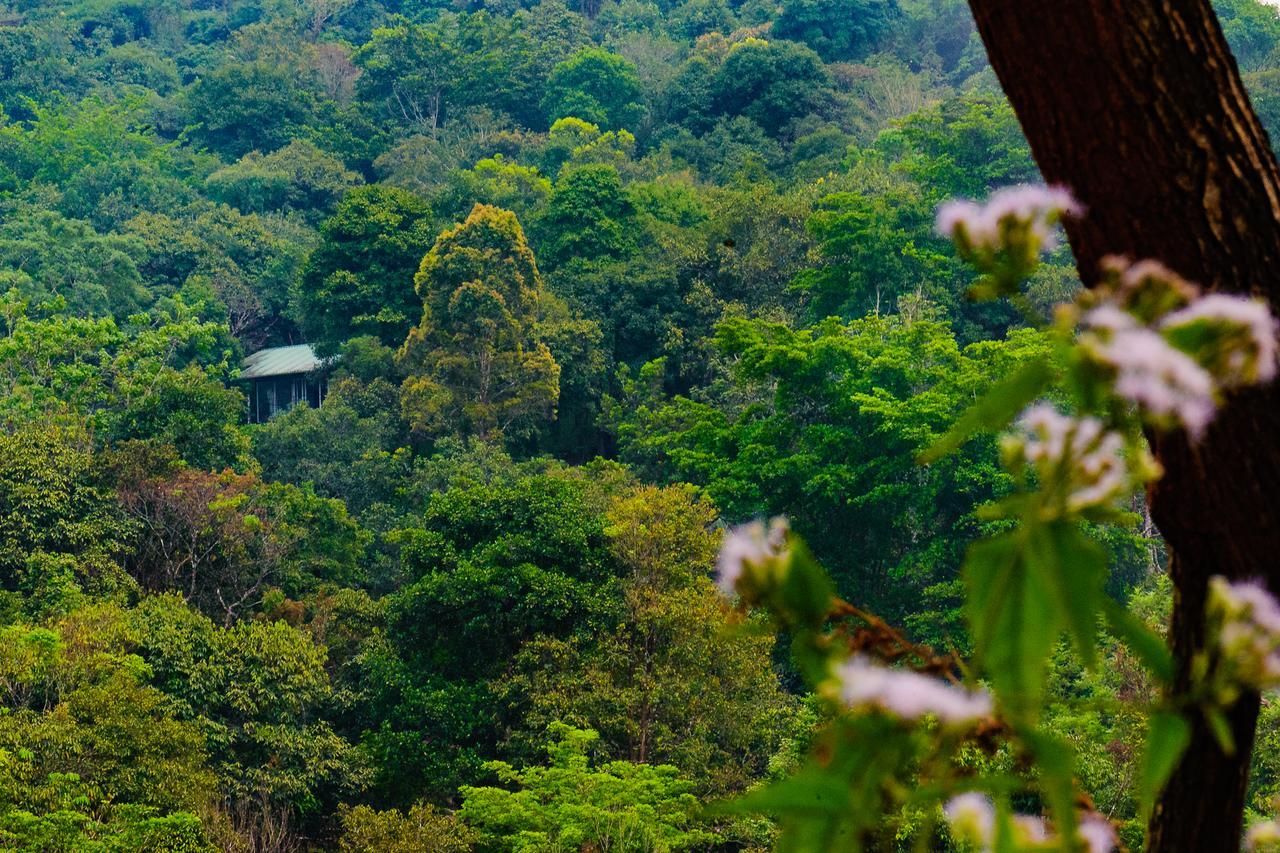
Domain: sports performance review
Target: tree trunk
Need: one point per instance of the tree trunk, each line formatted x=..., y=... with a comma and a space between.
x=1138, y=107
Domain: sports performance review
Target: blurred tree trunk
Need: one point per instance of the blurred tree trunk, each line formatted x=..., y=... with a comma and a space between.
x=1137, y=106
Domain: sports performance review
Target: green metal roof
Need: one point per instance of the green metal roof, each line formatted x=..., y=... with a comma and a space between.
x=280, y=361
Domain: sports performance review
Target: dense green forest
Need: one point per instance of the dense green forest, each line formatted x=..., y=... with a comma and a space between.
x=597, y=282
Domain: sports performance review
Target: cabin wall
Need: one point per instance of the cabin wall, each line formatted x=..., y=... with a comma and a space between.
x=274, y=394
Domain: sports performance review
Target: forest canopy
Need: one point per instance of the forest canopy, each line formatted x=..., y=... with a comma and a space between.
x=593, y=282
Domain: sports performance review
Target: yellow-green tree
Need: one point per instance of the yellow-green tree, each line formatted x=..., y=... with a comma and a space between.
x=476, y=363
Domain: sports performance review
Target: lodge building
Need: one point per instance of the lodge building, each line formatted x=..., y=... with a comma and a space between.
x=281, y=377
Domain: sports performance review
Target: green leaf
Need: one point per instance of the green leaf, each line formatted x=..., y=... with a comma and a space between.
x=1014, y=620
x=1141, y=640
x=1167, y=737
x=838, y=794
x=1074, y=569
x=1056, y=762
x=807, y=591
x=1221, y=729
x=995, y=410
x=813, y=791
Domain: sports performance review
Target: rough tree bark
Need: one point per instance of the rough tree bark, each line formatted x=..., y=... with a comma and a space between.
x=1138, y=107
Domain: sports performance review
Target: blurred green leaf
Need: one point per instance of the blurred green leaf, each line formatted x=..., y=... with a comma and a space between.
x=1074, y=569
x=1168, y=734
x=838, y=795
x=1221, y=729
x=1014, y=620
x=1055, y=759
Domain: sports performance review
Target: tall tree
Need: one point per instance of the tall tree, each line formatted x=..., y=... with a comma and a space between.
x=476, y=363
x=359, y=280
x=1139, y=108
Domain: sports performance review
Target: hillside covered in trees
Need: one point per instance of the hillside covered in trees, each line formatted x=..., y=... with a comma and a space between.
x=594, y=282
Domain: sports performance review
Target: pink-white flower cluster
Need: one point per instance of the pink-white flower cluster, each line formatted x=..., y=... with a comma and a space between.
x=1247, y=619
x=1076, y=455
x=1029, y=208
x=1097, y=833
x=972, y=818
x=1171, y=351
x=909, y=695
x=1263, y=837
x=1165, y=381
x=746, y=546
x=1246, y=339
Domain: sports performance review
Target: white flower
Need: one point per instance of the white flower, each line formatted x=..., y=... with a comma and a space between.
x=1111, y=318
x=1034, y=207
x=909, y=695
x=1030, y=829
x=1150, y=372
x=1248, y=630
x=1091, y=455
x=1098, y=834
x=972, y=817
x=1249, y=600
x=1250, y=354
x=1263, y=836
x=748, y=545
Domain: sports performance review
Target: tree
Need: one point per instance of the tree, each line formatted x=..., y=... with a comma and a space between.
x=359, y=280
x=476, y=362
x=965, y=147
x=94, y=756
x=51, y=256
x=499, y=182
x=35, y=61
x=836, y=29
x=160, y=379
x=419, y=830
x=488, y=566
x=571, y=804
x=299, y=177
x=1200, y=194
x=347, y=448
x=222, y=540
x=589, y=217
x=875, y=248
x=1252, y=31
x=260, y=690
x=642, y=683
x=772, y=83
x=595, y=86
x=248, y=106
x=412, y=70
x=51, y=505
x=241, y=268
x=825, y=426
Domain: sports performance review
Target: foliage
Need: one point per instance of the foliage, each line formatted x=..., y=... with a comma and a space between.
x=572, y=804
x=93, y=757
x=771, y=83
x=420, y=830
x=837, y=30
x=595, y=86
x=299, y=177
x=59, y=529
x=830, y=436
x=676, y=268
x=359, y=280
x=476, y=360
x=642, y=683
